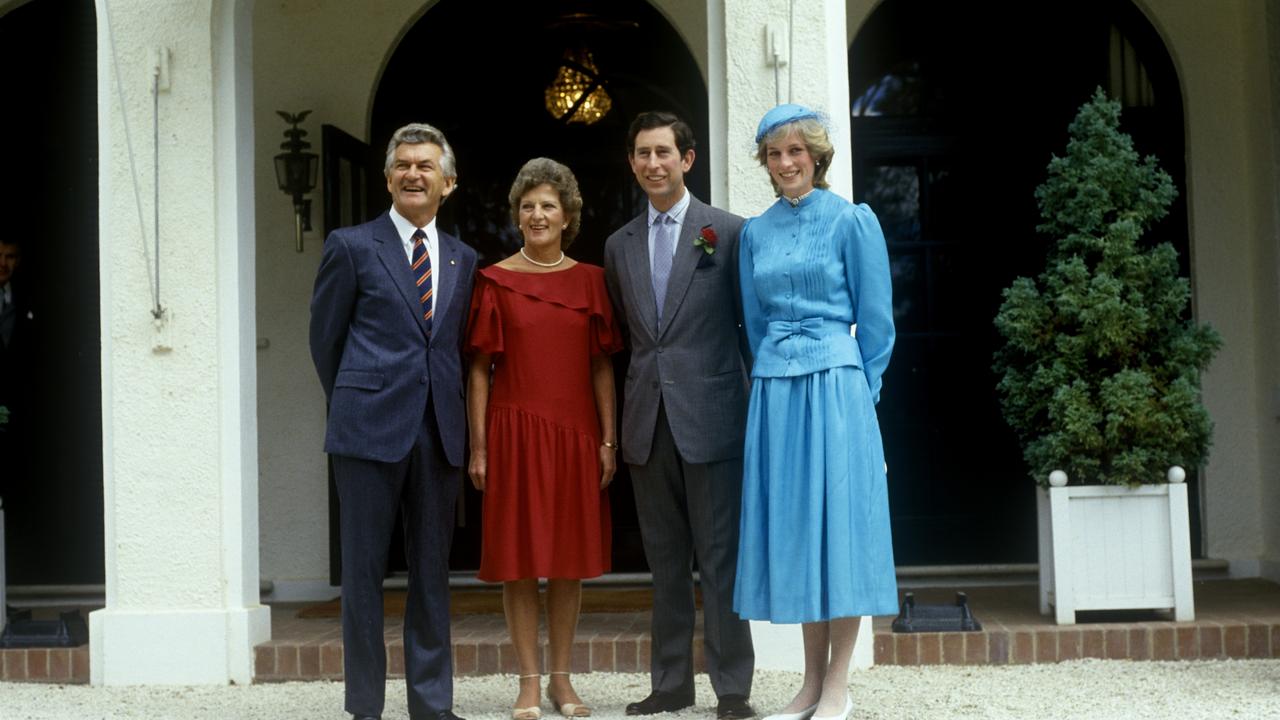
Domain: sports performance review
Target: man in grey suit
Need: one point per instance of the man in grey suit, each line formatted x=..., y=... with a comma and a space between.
x=671, y=272
x=387, y=321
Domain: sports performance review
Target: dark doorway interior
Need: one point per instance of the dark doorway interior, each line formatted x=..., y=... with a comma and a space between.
x=479, y=73
x=51, y=451
x=957, y=108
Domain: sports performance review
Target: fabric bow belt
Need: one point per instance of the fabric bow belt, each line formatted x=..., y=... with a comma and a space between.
x=814, y=327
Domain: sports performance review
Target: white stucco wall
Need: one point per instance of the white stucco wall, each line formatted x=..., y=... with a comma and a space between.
x=1221, y=58
x=310, y=55
x=1268, y=270
x=816, y=75
x=179, y=477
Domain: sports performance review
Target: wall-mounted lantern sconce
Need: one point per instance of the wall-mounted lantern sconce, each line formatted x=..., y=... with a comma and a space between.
x=296, y=172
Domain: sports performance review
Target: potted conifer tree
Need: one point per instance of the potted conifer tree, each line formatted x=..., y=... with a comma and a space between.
x=1099, y=378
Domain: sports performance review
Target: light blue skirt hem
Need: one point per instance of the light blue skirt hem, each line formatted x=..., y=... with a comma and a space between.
x=815, y=542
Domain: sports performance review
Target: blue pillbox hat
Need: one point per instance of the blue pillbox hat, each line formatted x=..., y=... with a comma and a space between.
x=781, y=115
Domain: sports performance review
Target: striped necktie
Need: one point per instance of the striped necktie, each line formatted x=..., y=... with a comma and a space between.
x=421, y=265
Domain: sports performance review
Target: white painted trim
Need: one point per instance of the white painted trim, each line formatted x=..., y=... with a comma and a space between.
x=106, y=102
x=1245, y=567
x=289, y=591
x=781, y=647
x=717, y=104
x=1270, y=569
x=840, y=174
x=235, y=268
x=247, y=621
x=864, y=646
x=137, y=647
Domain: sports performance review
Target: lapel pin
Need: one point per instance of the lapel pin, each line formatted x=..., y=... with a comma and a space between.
x=453, y=262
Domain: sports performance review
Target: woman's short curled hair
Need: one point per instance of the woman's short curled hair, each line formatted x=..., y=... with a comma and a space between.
x=814, y=135
x=545, y=171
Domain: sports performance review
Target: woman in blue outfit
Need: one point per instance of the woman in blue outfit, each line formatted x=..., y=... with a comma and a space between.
x=815, y=543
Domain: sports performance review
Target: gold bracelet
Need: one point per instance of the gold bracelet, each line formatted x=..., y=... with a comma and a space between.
x=610, y=445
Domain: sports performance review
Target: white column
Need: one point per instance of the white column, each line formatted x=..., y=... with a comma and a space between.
x=179, y=411
x=743, y=86
x=815, y=74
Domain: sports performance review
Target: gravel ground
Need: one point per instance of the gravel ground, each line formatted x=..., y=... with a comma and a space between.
x=1093, y=689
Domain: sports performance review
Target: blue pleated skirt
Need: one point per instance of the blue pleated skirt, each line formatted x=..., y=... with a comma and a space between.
x=815, y=541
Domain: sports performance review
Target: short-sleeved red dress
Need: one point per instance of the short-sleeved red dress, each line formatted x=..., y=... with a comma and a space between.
x=544, y=512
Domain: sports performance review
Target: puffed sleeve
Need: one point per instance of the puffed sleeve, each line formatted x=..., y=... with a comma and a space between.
x=606, y=336
x=866, y=264
x=752, y=313
x=484, y=327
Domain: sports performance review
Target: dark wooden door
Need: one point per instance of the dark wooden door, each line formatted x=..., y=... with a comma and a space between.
x=957, y=108
x=51, y=459
x=350, y=171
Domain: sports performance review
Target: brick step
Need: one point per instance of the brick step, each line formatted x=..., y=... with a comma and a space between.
x=628, y=651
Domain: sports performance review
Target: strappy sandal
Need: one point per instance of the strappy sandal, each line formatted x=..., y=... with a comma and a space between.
x=569, y=710
x=533, y=712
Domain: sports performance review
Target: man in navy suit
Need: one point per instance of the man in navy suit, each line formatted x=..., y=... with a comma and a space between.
x=387, y=322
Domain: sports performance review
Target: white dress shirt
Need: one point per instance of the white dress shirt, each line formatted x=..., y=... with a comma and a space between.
x=406, y=230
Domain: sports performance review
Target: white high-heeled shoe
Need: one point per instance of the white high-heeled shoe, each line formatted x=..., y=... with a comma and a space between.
x=848, y=708
x=804, y=714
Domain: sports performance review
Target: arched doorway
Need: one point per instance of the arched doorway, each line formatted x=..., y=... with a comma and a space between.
x=50, y=380
x=957, y=109
x=488, y=97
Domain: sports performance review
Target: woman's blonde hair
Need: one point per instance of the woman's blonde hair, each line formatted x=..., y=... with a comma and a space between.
x=814, y=135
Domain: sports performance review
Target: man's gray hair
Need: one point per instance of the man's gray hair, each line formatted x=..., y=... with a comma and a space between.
x=416, y=134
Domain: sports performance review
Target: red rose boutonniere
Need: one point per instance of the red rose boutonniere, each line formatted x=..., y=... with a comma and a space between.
x=707, y=240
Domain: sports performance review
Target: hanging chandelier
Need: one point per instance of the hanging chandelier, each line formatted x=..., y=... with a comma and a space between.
x=577, y=95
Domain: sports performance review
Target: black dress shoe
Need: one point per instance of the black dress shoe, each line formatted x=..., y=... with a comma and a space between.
x=365, y=717
x=734, y=707
x=660, y=702
x=440, y=715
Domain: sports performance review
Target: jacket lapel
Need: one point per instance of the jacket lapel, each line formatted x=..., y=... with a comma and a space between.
x=391, y=253
x=638, y=269
x=445, y=273
x=684, y=262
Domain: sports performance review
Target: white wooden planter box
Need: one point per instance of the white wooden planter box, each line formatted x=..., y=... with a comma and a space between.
x=1114, y=548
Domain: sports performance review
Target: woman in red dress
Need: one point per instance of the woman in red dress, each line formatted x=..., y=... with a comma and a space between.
x=541, y=417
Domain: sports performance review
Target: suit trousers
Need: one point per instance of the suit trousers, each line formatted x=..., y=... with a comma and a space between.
x=690, y=510
x=425, y=488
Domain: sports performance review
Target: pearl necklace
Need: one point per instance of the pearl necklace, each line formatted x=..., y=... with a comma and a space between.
x=795, y=202
x=542, y=264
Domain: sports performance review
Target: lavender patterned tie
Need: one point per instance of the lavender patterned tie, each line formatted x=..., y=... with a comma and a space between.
x=663, y=242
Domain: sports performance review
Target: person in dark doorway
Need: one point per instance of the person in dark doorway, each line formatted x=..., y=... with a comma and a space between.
x=17, y=323
x=387, y=318
x=542, y=415
x=817, y=304
x=672, y=272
